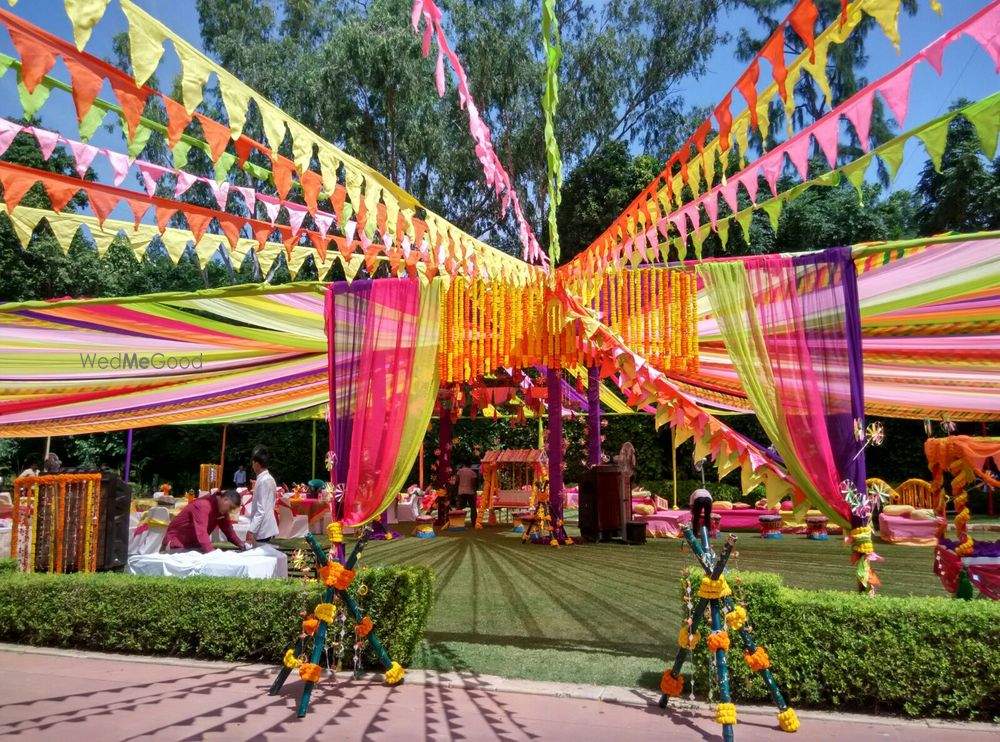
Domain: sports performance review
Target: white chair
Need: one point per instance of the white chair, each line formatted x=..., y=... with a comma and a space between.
x=293, y=527
x=5, y=498
x=408, y=509
x=151, y=538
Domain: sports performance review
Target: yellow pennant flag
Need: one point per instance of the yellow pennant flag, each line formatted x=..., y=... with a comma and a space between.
x=84, y=15
x=145, y=40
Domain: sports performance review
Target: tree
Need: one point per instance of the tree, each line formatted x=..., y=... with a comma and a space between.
x=965, y=195
x=353, y=72
x=596, y=192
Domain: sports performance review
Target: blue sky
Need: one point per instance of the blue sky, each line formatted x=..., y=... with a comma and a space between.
x=968, y=70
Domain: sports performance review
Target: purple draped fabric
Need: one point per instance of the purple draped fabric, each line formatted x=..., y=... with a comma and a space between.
x=593, y=416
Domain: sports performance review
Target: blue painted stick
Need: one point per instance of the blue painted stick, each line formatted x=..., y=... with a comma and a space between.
x=723, y=669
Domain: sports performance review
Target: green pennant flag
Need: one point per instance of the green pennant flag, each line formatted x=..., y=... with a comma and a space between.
x=180, y=152
x=723, y=227
x=773, y=209
x=31, y=102
x=93, y=119
x=855, y=173
x=828, y=180
x=138, y=143
x=744, y=218
x=892, y=155
x=935, y=138
x=223, y=165
x=5, y=63
x=698, y=239
x=682, y=248
x=985, y=116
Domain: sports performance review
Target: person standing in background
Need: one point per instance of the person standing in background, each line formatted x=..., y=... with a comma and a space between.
x=467, y=480
x=32, y=470
x=240, y=477
x=701, y=504
x=263, y=525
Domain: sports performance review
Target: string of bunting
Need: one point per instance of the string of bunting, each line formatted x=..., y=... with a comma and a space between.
x=642, y=216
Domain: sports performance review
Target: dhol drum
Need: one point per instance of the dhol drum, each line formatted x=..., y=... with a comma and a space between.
x=816, y=528
x=770, y=526
x=424, y=527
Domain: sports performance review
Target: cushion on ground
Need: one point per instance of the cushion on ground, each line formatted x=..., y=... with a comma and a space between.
x=741, y=506
x=898, y=510
x=643, y=509
x=722, y=505
x=923, y=514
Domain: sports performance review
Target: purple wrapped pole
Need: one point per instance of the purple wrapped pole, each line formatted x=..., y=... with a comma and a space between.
x=128, y=454
x=593, y=416
x=554, y=378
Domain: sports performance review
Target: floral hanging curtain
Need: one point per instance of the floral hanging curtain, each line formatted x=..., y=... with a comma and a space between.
x=380, y=333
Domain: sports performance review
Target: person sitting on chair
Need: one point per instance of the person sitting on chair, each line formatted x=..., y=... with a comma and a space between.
x=701, y=504
x=193, y=526
x=315, y=489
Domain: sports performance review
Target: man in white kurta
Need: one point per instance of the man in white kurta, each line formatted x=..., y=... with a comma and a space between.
x=263, y=526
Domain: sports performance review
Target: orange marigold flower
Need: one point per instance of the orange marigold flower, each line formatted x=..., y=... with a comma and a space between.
x=671, y=685
x=718, y=640
x=758, y=660
x=310, y=673
x=364, y=628
x=310, y=625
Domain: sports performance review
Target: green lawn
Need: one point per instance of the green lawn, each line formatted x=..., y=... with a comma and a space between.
x=597, y=613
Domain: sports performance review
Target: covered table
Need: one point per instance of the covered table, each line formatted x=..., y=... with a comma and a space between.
x=316, y=511
x=895, y=529
x=742, y=519
x=665, y=523
x=260, y=563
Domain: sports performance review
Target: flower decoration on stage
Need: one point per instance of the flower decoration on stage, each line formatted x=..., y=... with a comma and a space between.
x=714, y=589
x=947, y=425
x=859, y=429
x=298, y=560
x=788, y=721
x=394, y=674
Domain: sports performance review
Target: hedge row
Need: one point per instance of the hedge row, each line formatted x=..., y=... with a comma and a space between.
x=206, y=617
x=915, y=656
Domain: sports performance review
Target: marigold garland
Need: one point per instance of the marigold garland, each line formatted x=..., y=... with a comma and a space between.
x=394, y=674
x=336, y=576
x=670, y=685
x=686, y=639
x=788, y=721
x=310, y=626
x=364, y=627
x=718, y=640
x=310, y=673
x=714, y=589
x=736, y=618
x=325, y=612
x=291, y=661
x=758, y=660
x=725, y=713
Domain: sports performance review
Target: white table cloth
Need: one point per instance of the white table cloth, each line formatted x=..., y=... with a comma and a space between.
x=5, y=540
x=260, y=563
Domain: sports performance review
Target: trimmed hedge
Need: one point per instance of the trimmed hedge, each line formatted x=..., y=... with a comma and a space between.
x=915, y=656
x=7, y=566
x=206, y=617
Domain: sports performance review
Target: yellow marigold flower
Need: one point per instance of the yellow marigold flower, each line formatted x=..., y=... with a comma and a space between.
x=788, y=721
x=325, y=612
x=394, y=674
x=686, y=640
x=736, y=618
x=725, y=713
x=335, y=532
x=291, y=661
x=714, y=589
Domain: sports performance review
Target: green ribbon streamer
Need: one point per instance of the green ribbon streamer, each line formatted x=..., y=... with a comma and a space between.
x=550, y=101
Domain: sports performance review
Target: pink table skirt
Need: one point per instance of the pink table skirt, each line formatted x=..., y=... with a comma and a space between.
x=745, y=519
x=572, y=498
x=895, y=529
x=666, y=523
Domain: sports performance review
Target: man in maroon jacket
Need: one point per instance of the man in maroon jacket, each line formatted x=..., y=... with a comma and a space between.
x=193, y=527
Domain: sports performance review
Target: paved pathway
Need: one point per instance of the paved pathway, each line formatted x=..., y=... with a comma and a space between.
x=54, y=695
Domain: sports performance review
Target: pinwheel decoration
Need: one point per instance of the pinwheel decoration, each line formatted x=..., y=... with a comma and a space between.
x=873, y=435
x=947, y=425
x=859, y=429
x=879, y=493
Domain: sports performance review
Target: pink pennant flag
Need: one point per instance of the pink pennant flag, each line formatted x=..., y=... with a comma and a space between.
x=627, y=248
x=729, y=193
x=84, y=154
x=986, y=30
x=770, y=168
x=664, y=229
x=295, y=216
x=184, y=181
x=324, y=221
x=896, y=92
x=271, y=206
x=797, y=150
x=651, y=236
x=349, y=231
x=750, y=183
x=249, y=198
x=119, y=164
x=47, y=141
x=711, y=204
x=221, y=193
x=934, y=53
x=8, y=130
x=681, y=225
x=151, y=175
x=404, y=245
x=693, y=215
x=859, y=114
x=827, y=135
x=439, y=74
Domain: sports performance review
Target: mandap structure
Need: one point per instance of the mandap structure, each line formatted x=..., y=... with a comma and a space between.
x=811, y=343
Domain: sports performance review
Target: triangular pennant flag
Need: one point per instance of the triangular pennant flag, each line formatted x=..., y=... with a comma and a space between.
x=216, y=135
x=64, y=231
x=892, y=155
x=84, y=15
x=774, y=52
x=195, y=70
x=184, y=181
x=725, y=118
x=47, y=141
x=744, y=218
x=855, y=173
x=262, y=233
x=24, y=226
x=985, y=117
x=281, y=171
x=178, y=120
x=86, y=85
x=132, y=100
x=749, y=182
x=312, y=184
x=8, y=131
x=802, y=19
x=711, y=204
x=221, y=193
x=886, y=13
x=32, y=102
x=896, y=92
x=197, y=222
x=119, y=165
x=15, y=185
x=60, y=193
x=139, y=209
x=827, y=135
x=180, y=154
x=296, y=261
x=138, y=143
x=175, y=242
x=140, y=239
x=324, y=221
x=295, y=216
x=935, y=138
x=352, y=266
x=729, y=193
x=302, y=146
x=271, y=205
x=249, y=198
x=236, y=99
x=151, y=175
x=934, y=53
x=231, y=226
x=93, y=119
x=102, y=238
x=223, y=165
x=724, y=232
x=145, y=42
x=163, y=217
x=102, y=203
x=747, y=85
x=274, y=125
x=859, y=113
x=37, y=57
x=771, y=166
x=773, y=209
x=207, y=248
x=698, y=238
x=797, y=150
